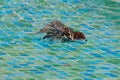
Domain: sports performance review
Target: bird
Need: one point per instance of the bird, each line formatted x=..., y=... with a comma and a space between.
x=57, y=30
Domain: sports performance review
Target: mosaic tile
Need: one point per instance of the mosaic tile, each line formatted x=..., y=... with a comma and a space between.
x=25, y=56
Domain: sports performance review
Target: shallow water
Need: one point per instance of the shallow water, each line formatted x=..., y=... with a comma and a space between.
x=24, y=56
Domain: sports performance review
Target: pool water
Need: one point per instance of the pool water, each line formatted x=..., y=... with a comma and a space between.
x=25, y=56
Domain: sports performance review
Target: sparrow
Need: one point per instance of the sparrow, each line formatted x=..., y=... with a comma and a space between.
x=57, y=30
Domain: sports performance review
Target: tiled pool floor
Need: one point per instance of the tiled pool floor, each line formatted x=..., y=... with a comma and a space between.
x=25, y=56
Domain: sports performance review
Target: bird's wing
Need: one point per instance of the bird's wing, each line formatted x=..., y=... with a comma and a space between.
x=57, y=28
x=53, y=26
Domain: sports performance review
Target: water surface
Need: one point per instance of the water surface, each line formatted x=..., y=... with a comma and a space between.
x=25, y=56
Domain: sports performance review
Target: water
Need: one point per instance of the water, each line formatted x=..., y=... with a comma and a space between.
x=24, y=56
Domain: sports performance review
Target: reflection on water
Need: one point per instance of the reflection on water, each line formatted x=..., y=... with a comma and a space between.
x=26, y=56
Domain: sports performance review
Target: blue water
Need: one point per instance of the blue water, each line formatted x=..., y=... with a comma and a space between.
x=25, y=56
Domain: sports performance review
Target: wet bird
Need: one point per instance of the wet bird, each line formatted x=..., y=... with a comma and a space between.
x=57, y=30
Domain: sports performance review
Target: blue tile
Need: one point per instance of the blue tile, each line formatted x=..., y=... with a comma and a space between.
x=38, y=47
x=90, y=70
x=39, y=14
x=115, y=40
x=88, y=74
x=111, y=74
x=65, y=13
x=24, y=65
x=65, y=1
x=38, y=67
x=21, y=34
x=4, y=44
x=108, y=34
x=30, y=26
x=28, y=18
x=16, y=66
x=32, y=58
x=16, y=23
x=99, y=79
x=118, y=51
x=48, y=60
x=2, y=54
x=71, y=48
x=50, y=57
x=23, y=5
x=113, y=53
x=72, y=58
x=72, y=13
x=43, y=44
x=60, y=61
x=7, y=40
x=105, y=68
x=10, y=32
x=31, y=11
x=5, y=6
x=53, y=69
x=13, y=64
x=11, y=74
x=87, y=79
x=1, y=23
x=2, y=12
x=108, y=24
x=1, y=31
x=20, y=74
x=86, y=26
x=26, y=30
x=81, y=42
x=62, y=73
x=103, y=48
x=37, y=71
x=7, y=0
x=92, y=67
x=9, y=11
x=84, y=10
x=117, y=54
x=41, y=68
x=12, y=43
x=47, y=66
x=8, y=78
x=86, y=50
x=15, y=37
x=77, y=1
x=30, y=62
x=62, y=49
x=96, y=55
x=23, y=54
x=46, y=12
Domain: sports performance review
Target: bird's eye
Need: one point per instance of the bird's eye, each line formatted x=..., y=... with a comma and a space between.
x=67, y=34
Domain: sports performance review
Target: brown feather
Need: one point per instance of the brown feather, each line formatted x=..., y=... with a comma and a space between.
x=57, y=28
